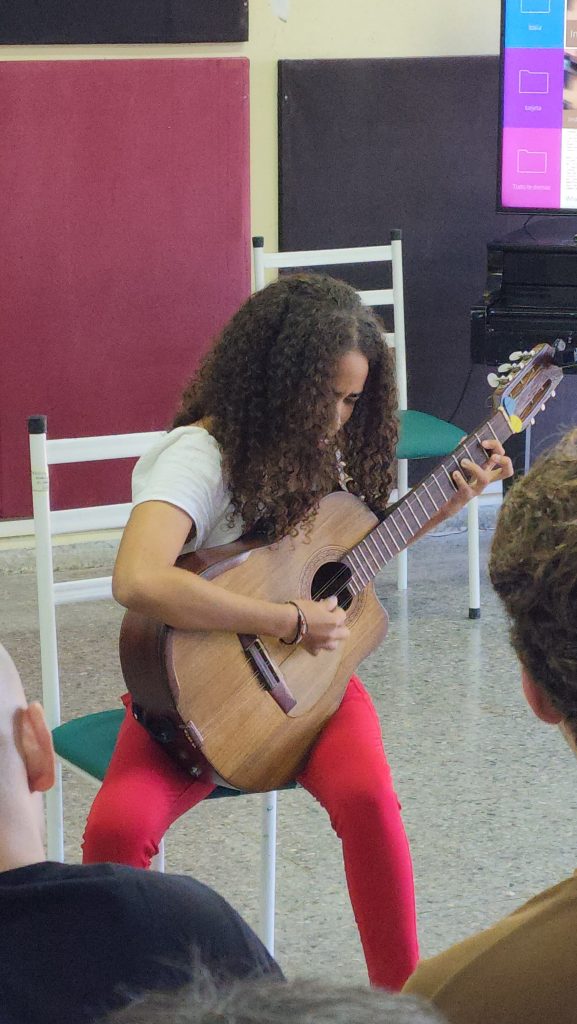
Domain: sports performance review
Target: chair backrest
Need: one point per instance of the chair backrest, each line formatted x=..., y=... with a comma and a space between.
x=45, y=453
x=392, y=253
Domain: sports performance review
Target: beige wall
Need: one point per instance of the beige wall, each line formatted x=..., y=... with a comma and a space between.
x=315, y=29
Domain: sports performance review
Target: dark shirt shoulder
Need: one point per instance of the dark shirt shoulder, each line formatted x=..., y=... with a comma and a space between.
x=76, y=941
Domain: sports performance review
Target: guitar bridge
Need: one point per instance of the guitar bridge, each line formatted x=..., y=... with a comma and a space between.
x=267, y=673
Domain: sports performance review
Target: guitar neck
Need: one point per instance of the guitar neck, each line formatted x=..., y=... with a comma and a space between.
x=418, y=507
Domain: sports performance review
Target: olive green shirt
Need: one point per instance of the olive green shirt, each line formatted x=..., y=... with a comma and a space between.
x=523, y=970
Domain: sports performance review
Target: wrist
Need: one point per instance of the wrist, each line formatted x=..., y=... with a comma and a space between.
x=301, y=627
x=287, y=622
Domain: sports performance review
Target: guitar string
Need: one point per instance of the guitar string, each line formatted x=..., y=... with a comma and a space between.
x=462, y=449
x=354, y=576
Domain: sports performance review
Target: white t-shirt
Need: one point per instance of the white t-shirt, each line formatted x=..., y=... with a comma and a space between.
x=184, y=468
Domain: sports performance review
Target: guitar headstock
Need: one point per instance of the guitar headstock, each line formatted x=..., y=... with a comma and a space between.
x=524, y=385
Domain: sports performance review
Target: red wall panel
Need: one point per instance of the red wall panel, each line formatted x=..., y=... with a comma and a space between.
x=124, y=213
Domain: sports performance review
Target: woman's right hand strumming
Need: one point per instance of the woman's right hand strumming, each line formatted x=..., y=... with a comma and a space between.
x=325, y=625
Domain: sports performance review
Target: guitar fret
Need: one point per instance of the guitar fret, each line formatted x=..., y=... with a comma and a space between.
x=381, y=559
x=411, y=532
x=390, y=535
x=398, y=528
x=443, y=495
x=416, y=493
x=414, y=514
x=468, y=452
x=361, y=570
x=369, y=552
x=349, y=559
x=390, y=553
x=376, y=538
x=491, y=429
x=452, y=482
x=434, y=503
x=364, y=569
x=365, y=564
x=355, y=585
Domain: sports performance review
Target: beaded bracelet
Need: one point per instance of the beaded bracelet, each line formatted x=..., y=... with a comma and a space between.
x=302, y=627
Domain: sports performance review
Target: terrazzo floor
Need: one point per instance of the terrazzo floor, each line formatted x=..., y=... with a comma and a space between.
x=488, y=792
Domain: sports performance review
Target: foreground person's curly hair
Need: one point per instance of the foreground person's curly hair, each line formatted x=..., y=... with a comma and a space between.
x=267, y=387
x=533, y=568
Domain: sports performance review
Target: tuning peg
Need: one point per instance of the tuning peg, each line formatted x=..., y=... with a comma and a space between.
x=553, y=394
x=504, y=368
x=532, y=423
x=493, y=380
x=515, y=357
x=543, y=407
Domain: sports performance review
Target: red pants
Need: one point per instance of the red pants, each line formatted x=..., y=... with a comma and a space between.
x=347, y=772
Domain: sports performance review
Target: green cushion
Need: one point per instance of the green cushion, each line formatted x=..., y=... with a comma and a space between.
x=88, y=743
x=423, y=437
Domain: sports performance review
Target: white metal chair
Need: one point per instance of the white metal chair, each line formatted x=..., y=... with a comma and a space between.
x=85, y=744
x=421, y=435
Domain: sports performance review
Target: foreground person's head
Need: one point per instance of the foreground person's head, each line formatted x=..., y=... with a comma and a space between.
x=533, y=568
x=260, y=1002
x=26, y=770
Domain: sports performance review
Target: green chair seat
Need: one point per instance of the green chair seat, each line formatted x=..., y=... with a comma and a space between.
x=88, y=743
x=423, y=437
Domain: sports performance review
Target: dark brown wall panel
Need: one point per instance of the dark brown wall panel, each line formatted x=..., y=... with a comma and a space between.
x=370, y=145
x=124, y=204
x=123, y=21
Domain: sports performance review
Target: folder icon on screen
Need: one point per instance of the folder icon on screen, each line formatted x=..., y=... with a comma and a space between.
x=534, y=83
x=529, y=162
x=535, y=6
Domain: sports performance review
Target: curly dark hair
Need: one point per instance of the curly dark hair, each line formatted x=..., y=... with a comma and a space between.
x=533, y=568
x=267, y=387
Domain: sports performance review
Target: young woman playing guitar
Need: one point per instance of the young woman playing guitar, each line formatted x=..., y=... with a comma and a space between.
x=296, y=397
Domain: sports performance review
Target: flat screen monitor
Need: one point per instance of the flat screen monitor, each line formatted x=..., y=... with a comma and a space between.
x=538, y=116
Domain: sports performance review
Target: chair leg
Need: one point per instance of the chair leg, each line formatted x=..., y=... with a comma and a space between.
x=474, y=570
x=54, y=819
x=268, y=869
x=402, y=558
x=157, y=863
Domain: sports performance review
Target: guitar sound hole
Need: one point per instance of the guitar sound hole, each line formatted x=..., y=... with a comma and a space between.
x=330, y=579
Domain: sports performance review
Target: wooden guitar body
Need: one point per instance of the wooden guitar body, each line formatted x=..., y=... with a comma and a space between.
x=201, y=693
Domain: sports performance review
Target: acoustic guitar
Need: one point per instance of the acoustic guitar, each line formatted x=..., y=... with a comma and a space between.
x=250, y=708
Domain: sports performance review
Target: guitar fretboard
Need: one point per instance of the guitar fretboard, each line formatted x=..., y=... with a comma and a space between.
x=416, y=509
